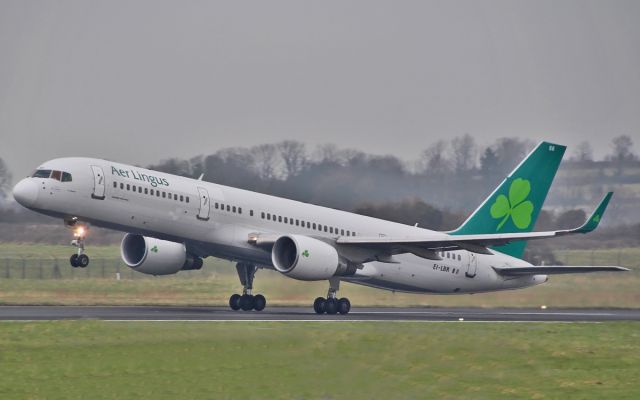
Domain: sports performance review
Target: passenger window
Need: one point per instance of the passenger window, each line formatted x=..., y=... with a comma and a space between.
x=115, y=185
x=459, y=258
x=128, y=187
x=342, y=232
x=314, y=225
x=146, y=191
x=42, y=173
x=308, y=225
x=187, y=199
x=66, y=177
x=228, y=207
x=133, y=188
x=164, y=194
x=234, y=208
x=157, y=193
x=286, y=220
x=122, y=186
x=268, y=216
x=151, y=192
x=216, y=206
x=175, y=197
x=348, y=233
x=279, y=218
x=330, y=229
x=139, y=189
x=239, y=210
x=291, y=221
x=251, y=213
x=262, y=215
x=181, y=198
x=325, y=228
x=297, y=222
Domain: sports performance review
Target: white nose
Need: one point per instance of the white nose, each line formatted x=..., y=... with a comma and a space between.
x=26, y=192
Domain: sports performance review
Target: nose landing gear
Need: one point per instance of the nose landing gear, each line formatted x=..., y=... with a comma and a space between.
x=79, y=259
x=332, y=305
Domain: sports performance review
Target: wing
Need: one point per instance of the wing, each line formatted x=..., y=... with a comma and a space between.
x=555, y=270
x=427, y=245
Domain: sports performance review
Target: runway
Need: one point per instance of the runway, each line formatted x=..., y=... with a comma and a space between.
x=167, y=313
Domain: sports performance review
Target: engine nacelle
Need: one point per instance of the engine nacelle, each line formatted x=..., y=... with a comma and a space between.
x=304, y=258
x=156, y=257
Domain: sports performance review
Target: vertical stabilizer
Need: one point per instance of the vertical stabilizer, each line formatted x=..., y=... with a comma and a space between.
x=516, y=203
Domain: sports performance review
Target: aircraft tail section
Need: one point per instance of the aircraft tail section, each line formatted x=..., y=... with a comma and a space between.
x=515, y=204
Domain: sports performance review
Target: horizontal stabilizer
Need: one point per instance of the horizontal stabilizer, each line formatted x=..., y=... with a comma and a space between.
x=555, y=270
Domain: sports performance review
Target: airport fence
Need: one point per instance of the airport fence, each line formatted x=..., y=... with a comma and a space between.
x=105, y=268
x=114, y=268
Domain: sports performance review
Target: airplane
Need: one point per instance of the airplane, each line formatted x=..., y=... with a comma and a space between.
x=172, y=222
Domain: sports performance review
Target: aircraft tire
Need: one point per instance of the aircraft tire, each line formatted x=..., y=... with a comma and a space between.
x=318, y=305
x=259, y=302
x=331, y=306
x=234, y=302
x=83, y=260
x=246, y=302
x=344, y=305
x=73, y=260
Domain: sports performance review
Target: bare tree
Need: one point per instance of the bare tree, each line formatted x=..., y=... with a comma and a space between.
x=5, y=180
x=464, y=153
x=583, y=152
x=622, y=149
x=434, y=159
x=294, y=156
x=265, y=161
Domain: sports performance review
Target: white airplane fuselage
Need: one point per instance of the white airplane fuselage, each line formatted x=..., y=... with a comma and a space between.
x=218, y=221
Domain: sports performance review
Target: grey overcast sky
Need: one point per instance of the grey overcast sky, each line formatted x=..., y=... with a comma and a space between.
x=139, y=81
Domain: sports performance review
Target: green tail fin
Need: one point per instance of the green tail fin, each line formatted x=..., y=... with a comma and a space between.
x=515, y=205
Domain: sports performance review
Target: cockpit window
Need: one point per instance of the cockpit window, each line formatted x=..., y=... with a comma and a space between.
x=57, y=175
x=42, y=173
x=66, y=177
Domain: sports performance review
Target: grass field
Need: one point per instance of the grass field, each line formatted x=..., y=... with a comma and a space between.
x=209, y=360
x=217, y=280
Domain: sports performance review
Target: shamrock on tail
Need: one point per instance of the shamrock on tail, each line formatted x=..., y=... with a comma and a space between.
x=515, y=206
x=596, y=218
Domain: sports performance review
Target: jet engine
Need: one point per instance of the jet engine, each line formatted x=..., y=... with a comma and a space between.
x=307, y=259
x=156, y=257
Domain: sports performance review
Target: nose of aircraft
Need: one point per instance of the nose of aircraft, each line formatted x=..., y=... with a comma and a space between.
x=26, y=192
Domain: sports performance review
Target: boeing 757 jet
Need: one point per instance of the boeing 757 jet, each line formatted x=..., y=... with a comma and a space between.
x=172, y=223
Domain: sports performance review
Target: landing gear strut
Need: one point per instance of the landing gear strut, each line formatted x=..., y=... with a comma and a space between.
x=79, y=259
x=332, y=305
x=247, y=301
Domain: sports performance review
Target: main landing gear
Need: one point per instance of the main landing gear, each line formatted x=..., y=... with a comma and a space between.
x=332, y=305
x=79, y=259
x=247, y=301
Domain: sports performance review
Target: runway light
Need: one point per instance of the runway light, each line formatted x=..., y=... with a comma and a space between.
x=543, y=307
x=460, y=319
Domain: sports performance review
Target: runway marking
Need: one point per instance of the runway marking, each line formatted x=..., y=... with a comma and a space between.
x=483, y=313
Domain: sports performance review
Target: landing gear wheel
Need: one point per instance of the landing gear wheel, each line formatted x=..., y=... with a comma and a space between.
x=259, y=302
x=234, y=302
x=344, y=305
x=318, y=305
x=83, y=260
x=74, y=260
x=331, y=306
x=246, y=302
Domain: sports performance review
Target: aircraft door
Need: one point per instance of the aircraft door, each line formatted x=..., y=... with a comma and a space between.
x=472, y=266
x=98, y=183
x=203, y=213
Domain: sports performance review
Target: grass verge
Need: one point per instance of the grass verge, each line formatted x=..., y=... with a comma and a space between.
x=342, y=360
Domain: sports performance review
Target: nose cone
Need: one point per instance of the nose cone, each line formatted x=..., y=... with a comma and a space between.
x=26, y=192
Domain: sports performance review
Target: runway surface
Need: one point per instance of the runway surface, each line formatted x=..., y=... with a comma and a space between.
x=166, y=313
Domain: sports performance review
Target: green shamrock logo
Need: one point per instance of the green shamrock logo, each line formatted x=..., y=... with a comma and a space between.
x=154, y=249
x=596, y=218
x=305, y=253
x=515, y=206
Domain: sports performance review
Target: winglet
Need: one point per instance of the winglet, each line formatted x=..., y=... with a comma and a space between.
x=595, y=218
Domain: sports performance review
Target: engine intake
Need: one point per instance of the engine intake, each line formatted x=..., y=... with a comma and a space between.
x=304, y=258
x=156, y=257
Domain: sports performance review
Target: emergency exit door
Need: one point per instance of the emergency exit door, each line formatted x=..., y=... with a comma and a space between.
x=98, y=183
x=203, y=213
x=473, y=265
